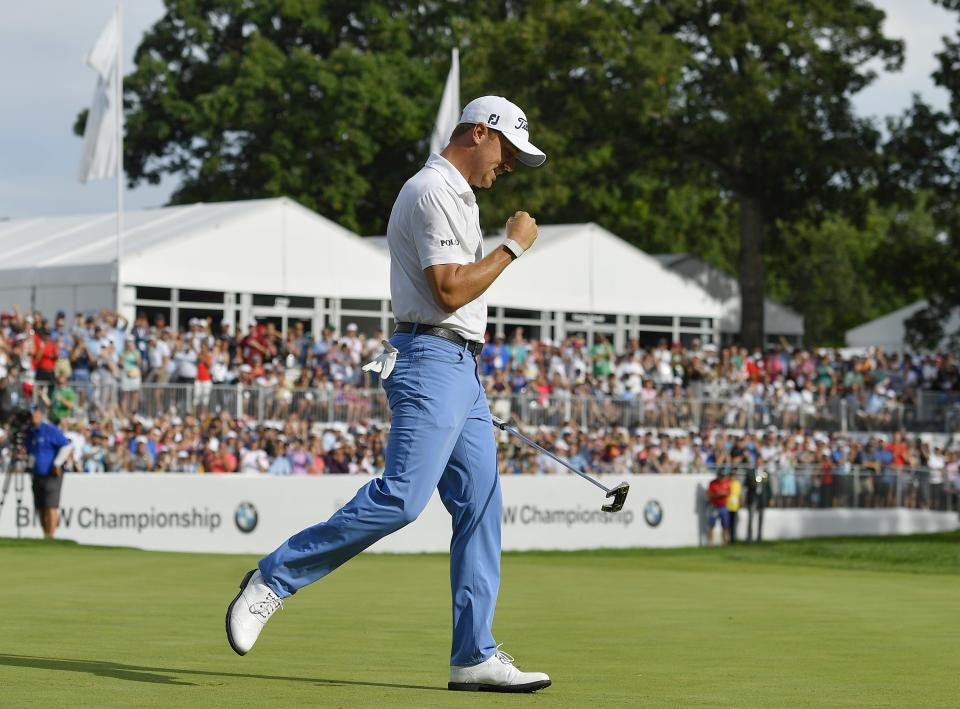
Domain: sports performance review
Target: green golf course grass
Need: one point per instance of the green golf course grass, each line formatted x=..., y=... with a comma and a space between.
x=853, y=622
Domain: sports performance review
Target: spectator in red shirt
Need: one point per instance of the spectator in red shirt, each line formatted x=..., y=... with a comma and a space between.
x=717, y=493
x=253, y=344
x=220, y=460
x=45, y=356
x=203, y=384
x=899, y=449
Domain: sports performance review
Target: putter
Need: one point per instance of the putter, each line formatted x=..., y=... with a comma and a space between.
x=618, y=493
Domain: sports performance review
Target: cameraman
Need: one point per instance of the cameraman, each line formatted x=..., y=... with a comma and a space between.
x=49, y=449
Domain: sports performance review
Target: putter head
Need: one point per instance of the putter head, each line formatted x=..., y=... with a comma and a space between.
x=619, y=495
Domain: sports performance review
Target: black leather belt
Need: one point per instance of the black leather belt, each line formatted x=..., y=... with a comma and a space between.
x=442, y=332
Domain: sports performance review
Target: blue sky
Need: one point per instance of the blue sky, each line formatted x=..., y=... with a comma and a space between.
x=44, y=83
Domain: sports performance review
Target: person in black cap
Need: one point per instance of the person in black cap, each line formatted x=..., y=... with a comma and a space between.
x=49, y=449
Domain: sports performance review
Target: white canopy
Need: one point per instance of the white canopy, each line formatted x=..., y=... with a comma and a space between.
x=585, y=268
x=777, y=319
x=257, y=246
x=888, y=331
x=275, y=246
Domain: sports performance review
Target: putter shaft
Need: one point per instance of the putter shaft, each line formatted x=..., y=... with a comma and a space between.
x=502, y=425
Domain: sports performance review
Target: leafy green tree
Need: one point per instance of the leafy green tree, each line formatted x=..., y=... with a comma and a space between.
x=331, y=104
x=322, y=101
x=921, y=156
x=718, y=127
x=839, y=273
x=763, y=103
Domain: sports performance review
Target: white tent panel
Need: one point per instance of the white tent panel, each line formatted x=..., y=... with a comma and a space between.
x=271, y=246
x=264, y=246
x=89, y=299
x=20, y=297
x=888, y=332
x=778, y=319
x=583, y=267
x=50, y=299
x=326, y=259
x=546, y=277
x=84, y=288
x=242, y=252
x=277, y=247
x=28, y=243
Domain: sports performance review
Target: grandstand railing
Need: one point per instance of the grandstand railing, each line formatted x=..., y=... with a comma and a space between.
x=934, y=411
x=847, y=487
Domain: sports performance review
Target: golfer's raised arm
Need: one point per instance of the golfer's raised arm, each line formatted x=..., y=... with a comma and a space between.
x=454, y=285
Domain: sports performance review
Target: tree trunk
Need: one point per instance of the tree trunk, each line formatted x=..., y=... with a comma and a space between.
x=752, y=226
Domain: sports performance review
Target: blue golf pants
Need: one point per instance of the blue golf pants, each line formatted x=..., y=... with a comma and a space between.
x=441, y=438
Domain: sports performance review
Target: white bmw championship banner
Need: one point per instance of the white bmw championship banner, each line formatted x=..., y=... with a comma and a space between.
x=240, y=514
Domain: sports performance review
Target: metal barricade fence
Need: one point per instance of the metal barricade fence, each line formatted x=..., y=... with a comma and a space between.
x=602, y=412
x=104, y=396
x=852, y=487
x=783, y=485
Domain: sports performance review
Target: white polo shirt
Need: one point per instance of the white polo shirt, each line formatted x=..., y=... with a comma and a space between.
x=435, y=220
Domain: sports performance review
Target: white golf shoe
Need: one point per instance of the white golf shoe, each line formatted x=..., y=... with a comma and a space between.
x=250, y=611
x=496, y=674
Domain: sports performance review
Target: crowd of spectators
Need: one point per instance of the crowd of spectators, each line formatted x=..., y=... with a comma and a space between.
x=107, y=353
x=806, y=469
x=672, y=385
x=105, y=362
x=90, y=373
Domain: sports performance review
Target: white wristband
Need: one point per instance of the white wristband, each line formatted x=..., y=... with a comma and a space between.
x=514, y=248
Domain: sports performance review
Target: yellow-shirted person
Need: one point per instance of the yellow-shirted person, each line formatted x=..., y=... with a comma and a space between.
x=733, y=505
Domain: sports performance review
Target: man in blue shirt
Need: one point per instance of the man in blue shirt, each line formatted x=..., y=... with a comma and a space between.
x=48, y=448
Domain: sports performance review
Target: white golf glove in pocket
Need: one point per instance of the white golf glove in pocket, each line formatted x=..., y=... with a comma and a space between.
x=383, y=363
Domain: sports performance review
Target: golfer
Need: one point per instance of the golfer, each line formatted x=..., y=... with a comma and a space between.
x=441, y=437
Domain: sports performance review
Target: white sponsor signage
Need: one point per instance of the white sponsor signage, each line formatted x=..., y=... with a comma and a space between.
x=587, y=318
x=233, y=513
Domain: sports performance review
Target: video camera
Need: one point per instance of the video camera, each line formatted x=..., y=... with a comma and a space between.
x=14, y=456
x=18, y=426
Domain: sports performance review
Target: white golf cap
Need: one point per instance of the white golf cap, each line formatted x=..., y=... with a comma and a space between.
x=502, y=115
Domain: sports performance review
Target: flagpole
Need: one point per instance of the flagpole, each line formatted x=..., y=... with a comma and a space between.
x=119, y=138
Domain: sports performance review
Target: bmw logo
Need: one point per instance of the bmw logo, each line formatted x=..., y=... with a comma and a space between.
x=246, y=517
x=653, y=513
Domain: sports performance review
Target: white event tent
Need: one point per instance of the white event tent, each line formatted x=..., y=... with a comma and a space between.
x=274, y=259
x=268, y=258
x=582, y=279
x=779, y=321
x=593, y=282
x=888, y=332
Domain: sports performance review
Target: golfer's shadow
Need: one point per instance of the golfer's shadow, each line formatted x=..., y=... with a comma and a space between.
x=167, y=675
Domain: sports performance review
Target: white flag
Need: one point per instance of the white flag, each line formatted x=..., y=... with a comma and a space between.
x=449, y=113
x=100, y=136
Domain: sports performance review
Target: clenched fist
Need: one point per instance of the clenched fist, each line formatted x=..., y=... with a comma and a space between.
x=522, y=228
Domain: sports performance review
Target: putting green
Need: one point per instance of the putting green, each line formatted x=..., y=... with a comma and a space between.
x=774, y=625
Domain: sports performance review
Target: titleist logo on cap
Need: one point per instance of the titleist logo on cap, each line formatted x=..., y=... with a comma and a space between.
x=522, y=123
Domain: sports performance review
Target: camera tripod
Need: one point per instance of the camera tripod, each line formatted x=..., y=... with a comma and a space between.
x=13, y=470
